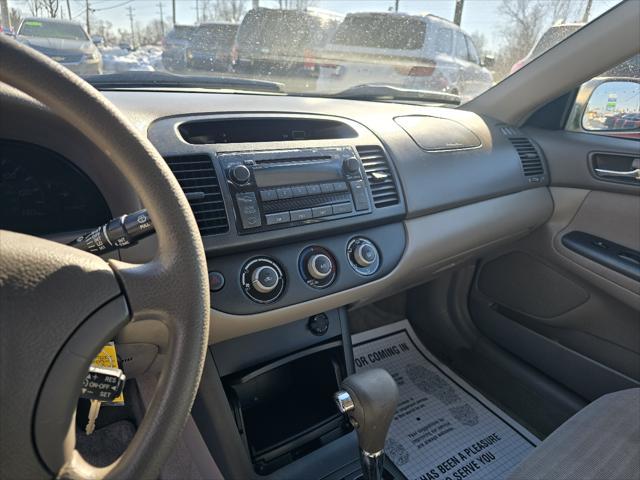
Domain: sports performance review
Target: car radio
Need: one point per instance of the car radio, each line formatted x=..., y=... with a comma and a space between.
x=284, y=188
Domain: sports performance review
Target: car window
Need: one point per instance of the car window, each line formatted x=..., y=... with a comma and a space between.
x=381, y=31
x=473, y=53
x=609, y=104
x=444, y=40
x=44, y=29
x=461, y=47
x=308, y=47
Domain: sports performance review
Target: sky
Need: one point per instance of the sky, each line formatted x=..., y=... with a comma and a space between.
x=480, y=16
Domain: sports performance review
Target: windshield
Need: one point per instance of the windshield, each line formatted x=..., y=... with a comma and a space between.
x=443, y=52
x=46, y=29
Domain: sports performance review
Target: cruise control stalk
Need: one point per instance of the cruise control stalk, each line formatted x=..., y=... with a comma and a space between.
x=121, y=232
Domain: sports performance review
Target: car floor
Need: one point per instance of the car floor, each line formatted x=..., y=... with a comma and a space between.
x=478, y=365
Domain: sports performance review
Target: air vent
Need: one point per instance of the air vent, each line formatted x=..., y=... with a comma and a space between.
x=529, y=156
x=509, y=131
x=383, y=187
x=197, y=177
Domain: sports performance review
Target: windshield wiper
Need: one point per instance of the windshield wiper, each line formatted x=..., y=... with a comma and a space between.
x=371, y=91
x=154, y=79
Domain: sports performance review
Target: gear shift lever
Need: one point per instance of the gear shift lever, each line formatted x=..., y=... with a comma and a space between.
x=369, y=399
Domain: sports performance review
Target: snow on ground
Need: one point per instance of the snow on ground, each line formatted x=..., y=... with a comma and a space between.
x=145, y=58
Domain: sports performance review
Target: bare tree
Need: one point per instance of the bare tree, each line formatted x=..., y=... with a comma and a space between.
x=566, y=11
x=35, y=7
x=51, y=7
x=15, y=16
x=230, y=10
x=480, y=41
x=295, y=4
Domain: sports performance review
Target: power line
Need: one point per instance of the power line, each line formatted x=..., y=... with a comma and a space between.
x=113, y=6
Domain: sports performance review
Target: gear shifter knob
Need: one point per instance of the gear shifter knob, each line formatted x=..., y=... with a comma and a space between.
x=369, y=399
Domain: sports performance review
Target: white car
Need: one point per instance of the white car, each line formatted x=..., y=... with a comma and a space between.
x=422, y=52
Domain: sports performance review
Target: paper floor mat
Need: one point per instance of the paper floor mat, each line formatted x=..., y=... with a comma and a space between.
x=443, y=428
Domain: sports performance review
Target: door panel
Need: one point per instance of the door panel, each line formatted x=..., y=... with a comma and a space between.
x=569, y=315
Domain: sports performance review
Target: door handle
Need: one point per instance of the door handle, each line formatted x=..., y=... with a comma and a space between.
x=635, y=174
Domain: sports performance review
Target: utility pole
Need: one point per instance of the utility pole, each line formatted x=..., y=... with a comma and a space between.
x=87, y=12
x=133, y=38
x=197, y=12
x=4, y=13
x=69, y=8
x=397, y=5
x=161, y=19
x=173, y=10
x=457, y=16
x=587, y=11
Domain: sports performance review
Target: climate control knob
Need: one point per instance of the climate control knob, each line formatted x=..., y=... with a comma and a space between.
x=264, y=279
x=240, y=174
x=365, y=254
x=319, y=266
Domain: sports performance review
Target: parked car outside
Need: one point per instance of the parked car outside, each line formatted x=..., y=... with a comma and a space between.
x=211, y=46
x=65, y=42
x=174, y=47
x=549, y=39
x=271, y=41
x=422, y=52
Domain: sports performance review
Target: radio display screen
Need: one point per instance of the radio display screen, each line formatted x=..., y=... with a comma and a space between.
x=276, y=175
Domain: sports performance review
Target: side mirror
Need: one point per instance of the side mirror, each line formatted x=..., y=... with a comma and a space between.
x=614, y=106
x=488, y=61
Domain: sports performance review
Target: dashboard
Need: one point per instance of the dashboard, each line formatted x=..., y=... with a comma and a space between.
x=304, y=205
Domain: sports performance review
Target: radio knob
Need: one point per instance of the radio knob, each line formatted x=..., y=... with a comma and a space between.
x=264, y=279
x=240, y=174
x=320, y=266
x=351, y=165
x=365, y=254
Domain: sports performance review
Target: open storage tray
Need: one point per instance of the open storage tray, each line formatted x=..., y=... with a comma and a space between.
x=286, y=409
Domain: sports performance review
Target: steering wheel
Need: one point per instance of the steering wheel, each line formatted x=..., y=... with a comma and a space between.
x=59, y=306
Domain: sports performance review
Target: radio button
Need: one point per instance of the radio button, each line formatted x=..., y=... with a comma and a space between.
x=340, y=187
x=314, y=189
x=322, y=211
x=268, y=195
x=276, y=218
x=327, y=188
x=342, y=208
x=299, y=191
x=248, y=209
x=284, y=192
x=240, y=174
x=304, y=214
x=360, y=197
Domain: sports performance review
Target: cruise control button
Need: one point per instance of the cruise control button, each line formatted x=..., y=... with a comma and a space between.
x=276, y=218
x=284, y=192
x=340, y=186
x=299, y=191
x=268, y=195
x=248, y=210
x=304, y=214
x=342, y=208
x=360, y=197
x=327, y=188
x=322, y=211
x=314, y=189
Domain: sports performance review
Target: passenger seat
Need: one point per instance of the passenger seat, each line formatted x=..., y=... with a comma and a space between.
x=601, y=441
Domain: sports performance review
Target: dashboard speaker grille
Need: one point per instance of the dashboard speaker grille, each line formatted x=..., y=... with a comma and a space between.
x=383, y=186
x=197, y=177
x=529, y=156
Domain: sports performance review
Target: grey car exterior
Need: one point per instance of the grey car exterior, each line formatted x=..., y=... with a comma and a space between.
x=423, y=52
x=65, y=42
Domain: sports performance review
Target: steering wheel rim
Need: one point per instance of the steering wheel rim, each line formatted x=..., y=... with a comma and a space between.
x=173, y=287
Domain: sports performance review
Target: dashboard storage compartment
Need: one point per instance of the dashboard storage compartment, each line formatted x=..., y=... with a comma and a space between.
x=285, y=409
